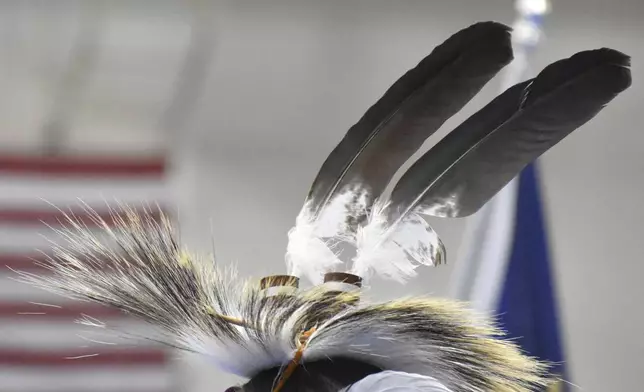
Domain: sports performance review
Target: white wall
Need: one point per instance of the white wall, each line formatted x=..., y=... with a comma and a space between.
x=289, y=78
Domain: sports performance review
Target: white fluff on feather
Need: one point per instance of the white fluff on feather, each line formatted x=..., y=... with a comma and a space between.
x=394, y=251
x=310, y=251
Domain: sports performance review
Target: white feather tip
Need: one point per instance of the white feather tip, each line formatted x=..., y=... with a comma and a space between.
x=311, y=243
x=394, y=251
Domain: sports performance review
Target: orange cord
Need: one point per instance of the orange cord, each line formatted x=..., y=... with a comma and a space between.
x=295, y=362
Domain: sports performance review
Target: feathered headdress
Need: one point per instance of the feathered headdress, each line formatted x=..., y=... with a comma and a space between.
x=325, y=337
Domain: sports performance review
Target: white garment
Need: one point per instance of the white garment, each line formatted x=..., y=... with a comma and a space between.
x=390, y=381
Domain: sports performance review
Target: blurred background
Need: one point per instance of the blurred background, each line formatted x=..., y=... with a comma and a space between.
x=223, y=111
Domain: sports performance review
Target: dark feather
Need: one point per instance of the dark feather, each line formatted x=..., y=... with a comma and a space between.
x=411, y=110
x=475, y=161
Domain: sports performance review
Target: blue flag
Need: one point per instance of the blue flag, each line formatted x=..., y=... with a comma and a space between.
x=527, y=304
x=507, y=271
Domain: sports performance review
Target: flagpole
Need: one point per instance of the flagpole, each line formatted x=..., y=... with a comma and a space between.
x=526, y=36
x=473, y=280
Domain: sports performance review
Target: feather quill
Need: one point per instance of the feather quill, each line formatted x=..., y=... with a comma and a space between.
x=393, y=129
x=472, y=163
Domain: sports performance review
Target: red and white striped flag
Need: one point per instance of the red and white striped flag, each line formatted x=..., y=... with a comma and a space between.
x=41, y=348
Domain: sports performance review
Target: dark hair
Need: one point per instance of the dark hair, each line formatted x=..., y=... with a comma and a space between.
x=328, y=375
